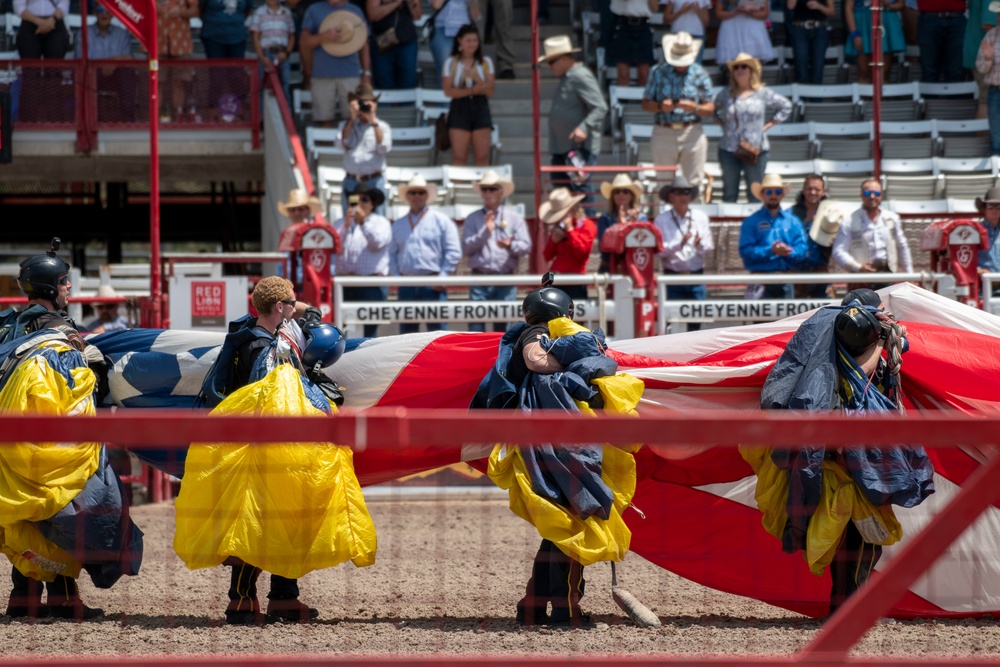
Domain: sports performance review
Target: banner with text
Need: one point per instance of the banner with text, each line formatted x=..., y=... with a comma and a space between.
x=139, y=16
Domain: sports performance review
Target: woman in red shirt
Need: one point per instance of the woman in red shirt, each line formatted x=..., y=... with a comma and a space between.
x=571, y=237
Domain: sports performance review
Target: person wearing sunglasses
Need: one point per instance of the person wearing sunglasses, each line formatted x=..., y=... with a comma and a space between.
x=108, y=319
x=494, y=239
x=772, y=240
x=872, y=241
x=365, y=246
x=624, y=206
x=989, y=258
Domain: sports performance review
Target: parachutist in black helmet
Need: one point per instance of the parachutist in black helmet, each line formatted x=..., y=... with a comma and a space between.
x=547, y=303
x=45, y=278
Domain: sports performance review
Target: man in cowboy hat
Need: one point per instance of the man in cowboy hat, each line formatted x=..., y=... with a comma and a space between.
x=772, y=240
x=806, y=209
x=687, y=238
x=424, y=243
x=989, y=258
x=365, y=247
x=300, y=207
x=342, y=62
x=571, y=236
x=872, y=240
x=108, y=318
x=679, y=92
x=367, y=141
x=494, y=238
x=576, y=120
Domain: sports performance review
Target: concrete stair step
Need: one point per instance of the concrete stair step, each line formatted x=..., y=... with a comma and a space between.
x=518, y=106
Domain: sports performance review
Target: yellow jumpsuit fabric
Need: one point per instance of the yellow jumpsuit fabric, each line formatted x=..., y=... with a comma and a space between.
x=287, y=508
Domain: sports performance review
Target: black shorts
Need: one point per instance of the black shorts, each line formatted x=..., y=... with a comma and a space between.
x=470, y=114
x=631, y=43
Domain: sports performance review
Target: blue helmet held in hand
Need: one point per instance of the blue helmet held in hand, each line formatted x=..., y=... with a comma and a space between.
x=325, y=344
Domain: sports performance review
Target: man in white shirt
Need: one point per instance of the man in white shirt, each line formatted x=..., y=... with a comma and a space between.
x=872, y=241
x=687, y=238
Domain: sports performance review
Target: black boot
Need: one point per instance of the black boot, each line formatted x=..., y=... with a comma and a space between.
x=25, y=597
x=567, y=587
x=533, y=607
x=243, y=607
x=64, y=601
x=283, y=602
x=851, y=566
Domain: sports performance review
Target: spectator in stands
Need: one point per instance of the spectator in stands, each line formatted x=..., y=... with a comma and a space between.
x=772, y=240
x=808, y=31
x=494, y=238
x=174, y=39
x=108, y=318
x=576, y=120
x=742, y=109
x=690, y=16
x=343, y=61
x=468, y=79
x=858, y=19
x=223, y=32
x=742, y=29
x=989, y=259
x=941, y=34
x=981, y=19
x=872, y=241
x=817, y=256
x=687, y=238
x=394, y=44
x=632, y=40
x=106, y=41
x=502, y=12
x=43, y=31
x=300, y=207
x=424, y=243
x=365, y=246
x=367, y=141
x=449, y=17
x=624, y=198
x=273, y=31
x=571, y=236
x=679, y=92
x=986, y=59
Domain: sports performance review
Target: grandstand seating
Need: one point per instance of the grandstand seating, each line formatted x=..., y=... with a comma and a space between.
x=909, y=140
x=950, y=101
x=963, y=138
x=843, y=141
x=900, y=101
x=911, y=179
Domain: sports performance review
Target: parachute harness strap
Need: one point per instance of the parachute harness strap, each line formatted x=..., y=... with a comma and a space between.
x=895, y=334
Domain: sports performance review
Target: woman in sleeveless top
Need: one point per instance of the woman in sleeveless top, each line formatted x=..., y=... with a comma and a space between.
x=468, y=78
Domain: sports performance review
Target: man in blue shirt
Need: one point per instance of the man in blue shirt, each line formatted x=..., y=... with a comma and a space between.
x=117, y=91
x=989, y=259
x=772, y=240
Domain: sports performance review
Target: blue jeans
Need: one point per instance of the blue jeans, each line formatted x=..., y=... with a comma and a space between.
x=396, y=69
x=732, y=167
x=440, y=48
x=940, y=39
x=370, y=293
x=993, y=113
x=421, y=294
x=484, y=293
x=688, y=293
x=349, y=185
x=809, y=49
x=214, y=49
x=284, y=74
x=562, y=180
x=779, y=291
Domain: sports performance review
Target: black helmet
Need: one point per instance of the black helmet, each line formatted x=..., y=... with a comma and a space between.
x=40, y=275
x=857, y=329
x=547, y=303
x=325, y=344
x=864, y=296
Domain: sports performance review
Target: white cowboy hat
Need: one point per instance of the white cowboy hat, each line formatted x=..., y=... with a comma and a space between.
x=298, y=197
x=493, y=178
x=418, y=182
x=353, y=33
x=681, y=50
x=769, y=181
x=107, y=292
x=621, y=182
x=560, y=202
x=995, y=7
x=830, y=215
x=560, y=45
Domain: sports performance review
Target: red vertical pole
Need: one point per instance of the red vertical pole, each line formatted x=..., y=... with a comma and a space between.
x=877, y=69
x=155, y=287
x=536, y=119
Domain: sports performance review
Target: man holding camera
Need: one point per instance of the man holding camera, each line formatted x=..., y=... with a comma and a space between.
x=367, y=142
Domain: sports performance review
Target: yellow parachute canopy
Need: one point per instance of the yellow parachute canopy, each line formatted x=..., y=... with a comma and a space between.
x=288, y=508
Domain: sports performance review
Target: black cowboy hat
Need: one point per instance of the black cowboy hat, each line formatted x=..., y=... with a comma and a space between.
x=376, y=195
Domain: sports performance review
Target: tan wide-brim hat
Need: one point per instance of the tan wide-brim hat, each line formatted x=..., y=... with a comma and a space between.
x=297, y=198
x=353, y=33
x=681, y=50
x=769, y=181
x=107, y=292
x=995, y=7
x=621, y=182
x=993, y=194
x=418, y=182
x=363, y=93
x=560, y=202
x=830, y=215
x=560, y=45
x=492, y=178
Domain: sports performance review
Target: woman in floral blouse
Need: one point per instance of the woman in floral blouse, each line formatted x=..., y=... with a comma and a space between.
x=742, y=111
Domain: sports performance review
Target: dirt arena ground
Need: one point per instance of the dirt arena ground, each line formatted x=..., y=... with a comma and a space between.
x=450, y=570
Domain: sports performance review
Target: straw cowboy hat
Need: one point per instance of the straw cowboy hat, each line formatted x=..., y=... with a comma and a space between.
x=560, y=202
x=621, y=182
x=107, y=292
x=679, y=183
x=363, y=93
x=993, y=194
x=830, y=215
x=995, y=7
x=745, y=59
x=376, y=195
x=681, y=50
x=769, y=181
x=492, y=178
x=560, y=45
x=296, y=198
x=353, y=33
x=418, y=182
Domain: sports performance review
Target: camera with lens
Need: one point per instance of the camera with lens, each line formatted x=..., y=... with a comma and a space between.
x=365, y=106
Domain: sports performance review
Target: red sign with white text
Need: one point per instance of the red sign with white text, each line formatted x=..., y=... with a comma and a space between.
x=208, y=303
x=138, y=16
